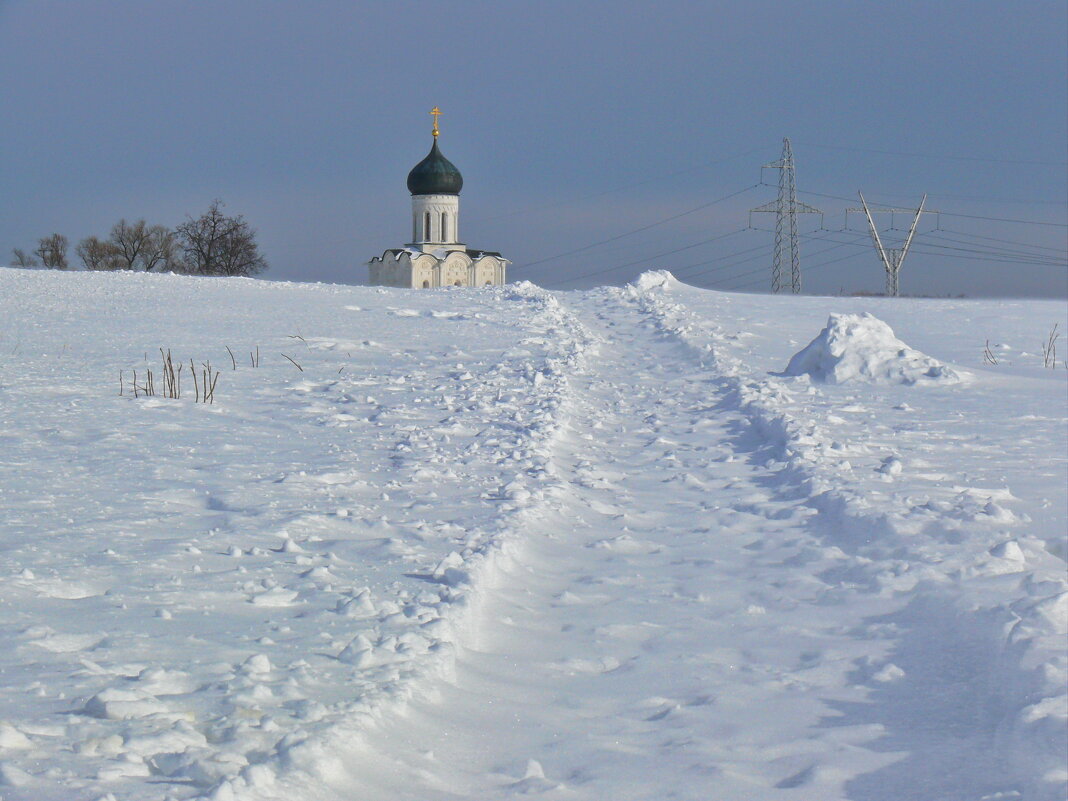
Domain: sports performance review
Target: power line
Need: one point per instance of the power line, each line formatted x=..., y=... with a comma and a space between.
x=681, y=271
x=1023, y=256
x=1004, y=241
x=685, y=171
x=809, y=268
x=762, y=255
x=680, y=249
x=719, y=266
x=948, y=213
x=937, y=156
x=990, y=257
x=638, y=230
x=947, y=196
x=741, y=275
x=1004, y=219
x=857, y=236
x=615, y=267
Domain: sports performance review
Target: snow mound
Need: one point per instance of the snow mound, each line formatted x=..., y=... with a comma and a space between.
x=650, y=280
x=861, y=347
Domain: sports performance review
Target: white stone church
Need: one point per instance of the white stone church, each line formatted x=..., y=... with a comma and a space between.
x=436, y=257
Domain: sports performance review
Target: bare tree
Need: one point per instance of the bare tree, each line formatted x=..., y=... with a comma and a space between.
x=52, y=251
x=215, y=244
x=22, y=259
x=129, y=240
x=160, y=250
x=97, y=254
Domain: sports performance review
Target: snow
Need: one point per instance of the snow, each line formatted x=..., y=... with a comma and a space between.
x=860, y=347
x=507, y=542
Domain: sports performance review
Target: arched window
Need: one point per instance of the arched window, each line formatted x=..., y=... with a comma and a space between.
x=426, y=285
x=458, y=284
x=426, y=233
x=444, y=226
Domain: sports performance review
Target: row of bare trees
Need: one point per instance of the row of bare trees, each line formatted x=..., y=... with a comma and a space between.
x=211, y=244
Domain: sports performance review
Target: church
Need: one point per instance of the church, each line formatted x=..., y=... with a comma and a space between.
x=436, y=256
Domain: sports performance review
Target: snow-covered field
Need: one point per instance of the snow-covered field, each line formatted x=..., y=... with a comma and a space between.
x=642, y=543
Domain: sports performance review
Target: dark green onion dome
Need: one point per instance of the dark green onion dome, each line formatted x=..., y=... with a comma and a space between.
x=435, y=175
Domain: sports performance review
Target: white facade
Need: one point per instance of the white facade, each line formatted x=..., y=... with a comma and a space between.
x=415, y=269
x=435, y=256
x=436, y=222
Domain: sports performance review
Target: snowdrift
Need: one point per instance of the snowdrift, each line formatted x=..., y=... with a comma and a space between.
x=862, y=348
x=650, y=280
x=508, y=541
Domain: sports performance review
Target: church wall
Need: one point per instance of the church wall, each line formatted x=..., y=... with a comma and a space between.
x=487, y=270
x=454, y=270
x=390, y=271
x=436, y=206
x=424, y=270
x=427, y=272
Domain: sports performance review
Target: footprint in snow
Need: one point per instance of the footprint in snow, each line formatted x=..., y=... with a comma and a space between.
x=278, y=596
x=68, y=643
x=568, y=598
x=68, y=590
x=591, y=667
x=604, y=508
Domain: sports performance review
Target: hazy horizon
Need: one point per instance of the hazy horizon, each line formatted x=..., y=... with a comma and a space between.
x=571, y=127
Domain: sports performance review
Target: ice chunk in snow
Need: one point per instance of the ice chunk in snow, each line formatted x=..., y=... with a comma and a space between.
x=10, y=737
x=861, y=347
x=276, y=596
x=12, y=776
x=650, y=280
x=356, y=605
x=1009, y=550
x=257, y=663
x=358, y=652
x=890, y=672
x=450, y=570
x=116, y=704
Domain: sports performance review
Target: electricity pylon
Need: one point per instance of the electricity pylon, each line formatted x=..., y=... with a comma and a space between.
x=786, y=208
x=892, y=258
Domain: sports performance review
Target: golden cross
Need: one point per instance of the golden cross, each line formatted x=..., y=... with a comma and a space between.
x=437, y=113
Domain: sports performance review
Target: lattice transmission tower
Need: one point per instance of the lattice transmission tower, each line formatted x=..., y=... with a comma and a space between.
x=786, y=208
x=892, y=258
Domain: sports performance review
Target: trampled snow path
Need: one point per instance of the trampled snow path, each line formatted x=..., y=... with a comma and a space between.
x=626, y=650
x=675, y=623
x=466, y=552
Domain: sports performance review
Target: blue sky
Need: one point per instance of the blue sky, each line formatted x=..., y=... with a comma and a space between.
x=573, y=123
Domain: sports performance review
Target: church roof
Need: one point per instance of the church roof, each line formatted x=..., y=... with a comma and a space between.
x=435, y=175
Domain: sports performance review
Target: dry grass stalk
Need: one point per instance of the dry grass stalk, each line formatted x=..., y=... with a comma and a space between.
x=210, y=383
x=988, y=355
x=294, y=363
x=1049, y=348
x=172, y=381
x=172, y=378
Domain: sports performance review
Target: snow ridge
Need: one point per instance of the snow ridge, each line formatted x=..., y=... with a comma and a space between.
x=315, y=754
x=223, y=601
x=1015, y=631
